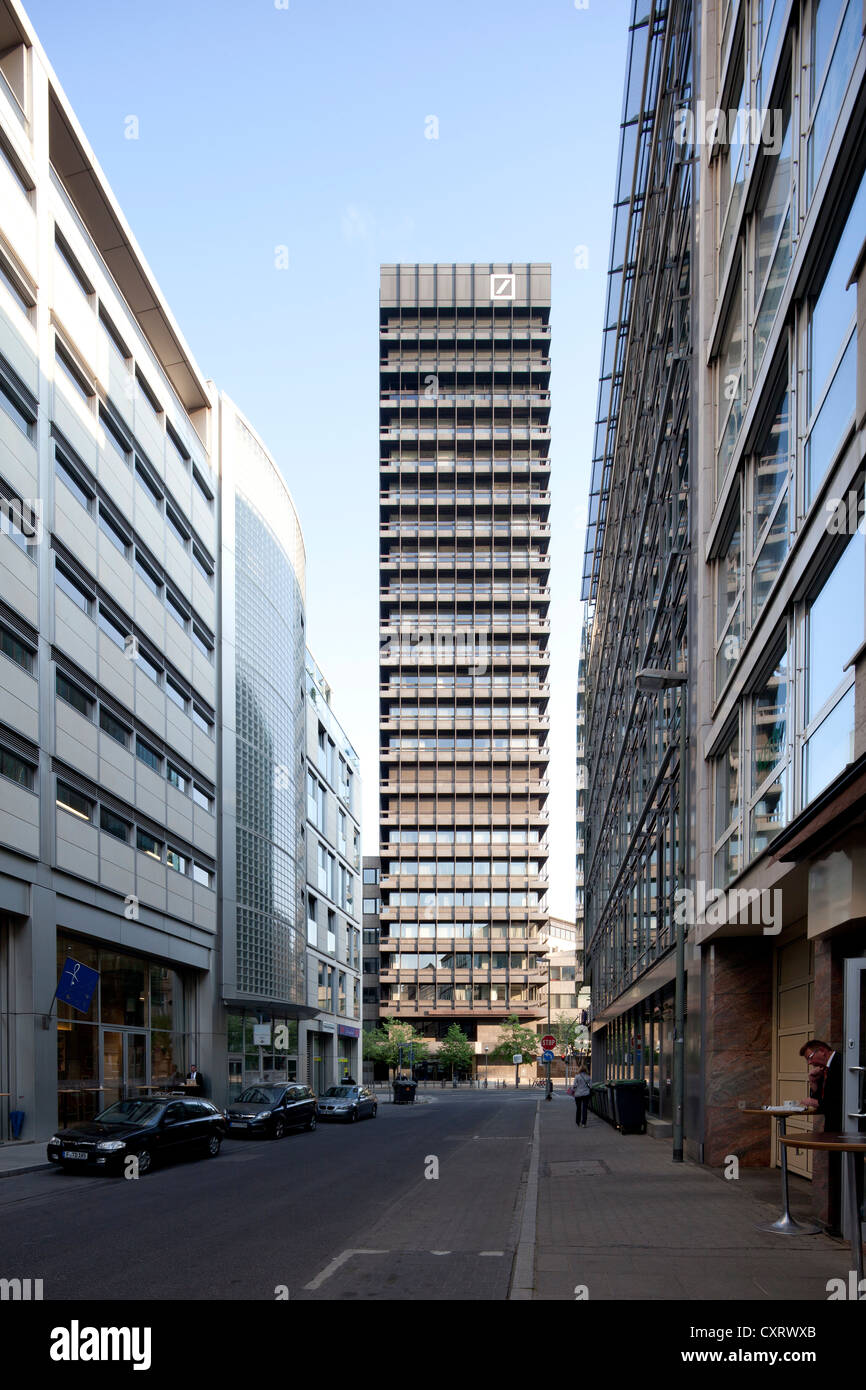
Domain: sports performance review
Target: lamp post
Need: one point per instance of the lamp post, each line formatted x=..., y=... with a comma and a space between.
x=650, y=679
x=486, y=1052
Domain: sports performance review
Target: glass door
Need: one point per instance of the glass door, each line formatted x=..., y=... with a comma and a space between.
x=854, y=1059
x=111, y=1078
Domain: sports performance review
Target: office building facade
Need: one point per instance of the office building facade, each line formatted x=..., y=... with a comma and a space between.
x=330, y=1039
x=724, y=552
x=153, y=674
x=464, y=565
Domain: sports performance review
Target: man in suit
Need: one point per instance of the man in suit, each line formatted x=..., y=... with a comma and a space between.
x=196, y=1077
x=826, y=1078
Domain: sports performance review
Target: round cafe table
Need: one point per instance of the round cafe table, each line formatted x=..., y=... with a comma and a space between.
x=853, y=1146
x=785, y=1225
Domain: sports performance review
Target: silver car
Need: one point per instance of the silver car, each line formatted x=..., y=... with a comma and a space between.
x=347, y=1103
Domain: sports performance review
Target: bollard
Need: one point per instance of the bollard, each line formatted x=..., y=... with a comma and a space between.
x=16, y=1122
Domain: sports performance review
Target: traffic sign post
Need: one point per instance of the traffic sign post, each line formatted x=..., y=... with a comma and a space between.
x=517, y=1059
x=548, y=1042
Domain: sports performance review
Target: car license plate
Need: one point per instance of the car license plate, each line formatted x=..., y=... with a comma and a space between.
x=72, y=1153
x=237, y=1124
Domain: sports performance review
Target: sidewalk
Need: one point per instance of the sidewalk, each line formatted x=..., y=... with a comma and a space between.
x=616, y=1215
x=19, y=1156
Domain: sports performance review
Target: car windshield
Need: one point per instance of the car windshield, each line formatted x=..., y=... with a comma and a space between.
x=260, y=1095
x=340, y=1092
x=131, y=1112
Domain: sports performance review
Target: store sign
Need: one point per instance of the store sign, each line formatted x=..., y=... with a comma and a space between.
x=76, y=985
x=346, y=1032
x=261, y=1035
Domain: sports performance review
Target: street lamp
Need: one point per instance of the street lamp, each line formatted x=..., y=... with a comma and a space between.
x=649, y=680
x=486, y=1051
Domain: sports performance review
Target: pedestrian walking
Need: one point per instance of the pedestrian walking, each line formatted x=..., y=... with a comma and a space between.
x=581, y=1095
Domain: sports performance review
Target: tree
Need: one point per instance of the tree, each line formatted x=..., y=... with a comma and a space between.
x=514, y=1038
x=456, y=1051
x=384, y=1044
x=566, y=1031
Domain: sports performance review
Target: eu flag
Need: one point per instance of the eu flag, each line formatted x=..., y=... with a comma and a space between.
x=77, y=983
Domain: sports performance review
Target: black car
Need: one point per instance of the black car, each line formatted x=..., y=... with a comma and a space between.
x=147, y=1129
x=272, y=1110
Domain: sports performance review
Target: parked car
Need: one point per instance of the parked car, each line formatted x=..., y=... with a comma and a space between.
x=272, y=1110
x=150, y=1129
x=347, y=1103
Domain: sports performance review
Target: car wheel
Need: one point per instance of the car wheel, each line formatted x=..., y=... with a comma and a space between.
x=278, y=1130
x=212, y=1147
x=354, y=1114
x=144, y=1158
x=311, y=1123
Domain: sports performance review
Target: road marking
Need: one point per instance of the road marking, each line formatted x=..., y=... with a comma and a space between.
x=335, y=1265
x=500, y=1253
x=440, y=1252
x=523, y=1279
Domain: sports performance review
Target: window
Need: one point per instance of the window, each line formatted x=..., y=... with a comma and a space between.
x=73, y=695
x=312, y=920
x=729, y=601
x=175, y=693
x=202, y=797
x=16, y=769
x=17, y=406
x=74, y=374
x=114, y=825
x=149, y=395
x=770, y=493
x=114, y=337
x=831, y=353
x=176, y=777
x=112, y=626
x=16, y=286
x=113, y=727
x=729, y=382
x=176, y=608
x=70, y=800
x=202, y=875
x=835, y=41
x=148, y=844
x=16, y=650
x=149, y=486
x=202, y=641
x=202, y=719
x=834, y=631
x=371, y=875
x=176, y=526
x=146, y=571
x=113, y=531
x=73, y=265
x=728, y=855
x=147, y=754
x=16, y=168
x=147, y=665
x=73, y=589
x=177, y=861
x=769, y=749
x=732, y=170
x=174, y=440
x=202, y=486
x=202, y=562
x=773, y=237
x=114, y=435
x=72, y=479
x=370, y=906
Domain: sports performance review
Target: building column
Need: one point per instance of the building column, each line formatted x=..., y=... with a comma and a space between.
x=738, y=975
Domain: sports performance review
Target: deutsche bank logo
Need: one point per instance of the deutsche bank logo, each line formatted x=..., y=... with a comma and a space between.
x=502, y=287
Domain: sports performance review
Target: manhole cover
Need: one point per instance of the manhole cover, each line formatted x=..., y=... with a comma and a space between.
x=579, y=1168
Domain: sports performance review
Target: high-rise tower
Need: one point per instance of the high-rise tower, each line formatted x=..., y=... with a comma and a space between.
x=464, y=596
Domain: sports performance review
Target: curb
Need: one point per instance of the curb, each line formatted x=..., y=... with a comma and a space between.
x=523, y=1278
x=30, y=1168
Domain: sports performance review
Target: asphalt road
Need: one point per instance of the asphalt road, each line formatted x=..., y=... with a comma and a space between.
x=345, y=1212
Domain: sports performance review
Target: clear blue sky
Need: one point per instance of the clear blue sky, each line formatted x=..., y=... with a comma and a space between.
x=303, y=127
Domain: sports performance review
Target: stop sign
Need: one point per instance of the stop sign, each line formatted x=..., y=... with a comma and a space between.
x=548, y=1042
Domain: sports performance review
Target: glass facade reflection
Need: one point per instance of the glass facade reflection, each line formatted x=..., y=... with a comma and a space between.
x=269, y=715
